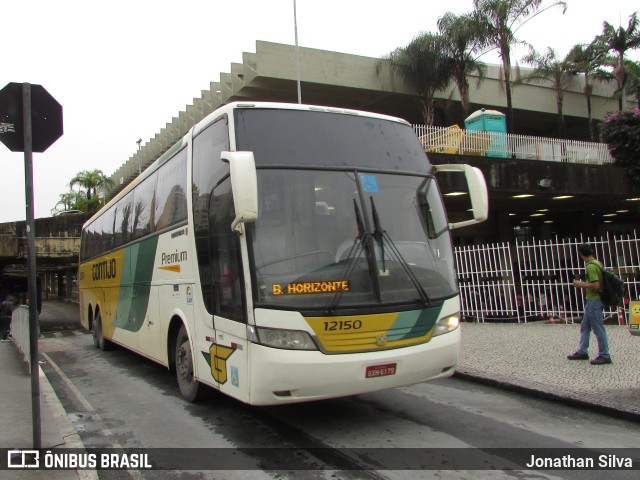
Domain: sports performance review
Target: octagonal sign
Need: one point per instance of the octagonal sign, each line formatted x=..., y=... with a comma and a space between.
x=46, y=118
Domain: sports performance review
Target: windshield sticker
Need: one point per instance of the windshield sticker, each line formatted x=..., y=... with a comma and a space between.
x=369, y=183
x=305, y=288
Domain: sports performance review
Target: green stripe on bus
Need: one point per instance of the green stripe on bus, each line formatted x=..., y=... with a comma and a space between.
x=135, y=285
x=413, y=324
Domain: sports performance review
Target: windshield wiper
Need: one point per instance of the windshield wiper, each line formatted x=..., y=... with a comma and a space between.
x=378, y=233
x=359, y=243
x=381, y=235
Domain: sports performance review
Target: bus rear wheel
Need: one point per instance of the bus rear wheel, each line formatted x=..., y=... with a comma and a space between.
x=98, y=336
x=190, y=388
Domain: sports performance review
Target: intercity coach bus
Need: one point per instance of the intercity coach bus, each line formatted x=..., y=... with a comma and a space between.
x=282, y=253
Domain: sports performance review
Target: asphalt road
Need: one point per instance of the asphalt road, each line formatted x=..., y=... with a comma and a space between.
x=117, y=399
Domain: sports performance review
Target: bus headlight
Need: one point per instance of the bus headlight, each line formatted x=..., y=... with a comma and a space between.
x=288, y=339
x=446, y=324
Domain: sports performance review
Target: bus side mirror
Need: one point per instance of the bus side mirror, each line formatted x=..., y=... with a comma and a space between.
x=477, y=190
x=244, y=186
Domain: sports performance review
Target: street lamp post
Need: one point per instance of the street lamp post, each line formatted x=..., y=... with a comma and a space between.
x=295, y=27
x=139, y=141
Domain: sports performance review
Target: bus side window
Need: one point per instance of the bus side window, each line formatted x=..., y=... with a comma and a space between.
x=224, y=247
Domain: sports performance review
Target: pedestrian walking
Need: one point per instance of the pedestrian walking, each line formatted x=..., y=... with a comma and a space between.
x=593, y=320
x=6, y=310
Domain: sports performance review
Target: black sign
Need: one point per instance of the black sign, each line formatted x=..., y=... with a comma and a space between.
x=46, y=118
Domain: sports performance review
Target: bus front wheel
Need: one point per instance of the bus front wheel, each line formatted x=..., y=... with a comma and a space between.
x=190, y=388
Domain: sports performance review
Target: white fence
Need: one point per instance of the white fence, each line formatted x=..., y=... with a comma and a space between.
x=20, y=332
x=494, y=144
x=533, y=280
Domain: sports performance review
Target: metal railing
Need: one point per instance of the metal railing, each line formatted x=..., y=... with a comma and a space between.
x=505, y=145
x=533, y=280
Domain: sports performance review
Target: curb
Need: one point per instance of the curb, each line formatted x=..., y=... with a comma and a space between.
x=547, y=395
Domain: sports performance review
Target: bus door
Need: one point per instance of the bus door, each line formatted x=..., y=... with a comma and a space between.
x=229, y=352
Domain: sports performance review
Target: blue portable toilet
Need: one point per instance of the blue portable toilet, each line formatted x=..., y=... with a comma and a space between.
x=495, y=123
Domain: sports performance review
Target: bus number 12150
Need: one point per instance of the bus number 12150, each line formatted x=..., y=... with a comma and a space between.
x=342, y=325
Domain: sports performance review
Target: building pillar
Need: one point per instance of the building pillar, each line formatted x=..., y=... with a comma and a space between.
x=69, y=284
x=60, y=285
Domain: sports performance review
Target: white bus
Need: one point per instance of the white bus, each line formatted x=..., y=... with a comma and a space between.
x=282, y=253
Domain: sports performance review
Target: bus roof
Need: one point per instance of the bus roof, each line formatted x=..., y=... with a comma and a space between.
x=227, y=109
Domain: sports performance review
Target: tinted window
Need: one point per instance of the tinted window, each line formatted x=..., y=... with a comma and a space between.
x=144, y=203
x=291, y=137
x=208, y=169
x=228, y=292
x=171, y=206
x=123, y=220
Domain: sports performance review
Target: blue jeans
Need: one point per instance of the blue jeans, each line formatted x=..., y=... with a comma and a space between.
x=593, y=321
x=6, y=325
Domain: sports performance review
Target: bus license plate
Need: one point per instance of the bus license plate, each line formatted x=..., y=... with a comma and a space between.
x=381, y=370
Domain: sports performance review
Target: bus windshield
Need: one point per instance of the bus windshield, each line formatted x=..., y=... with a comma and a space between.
x=327, y=240
x=349, y=216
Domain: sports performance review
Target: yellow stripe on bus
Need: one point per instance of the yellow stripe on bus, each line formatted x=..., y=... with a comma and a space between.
x=171, y=268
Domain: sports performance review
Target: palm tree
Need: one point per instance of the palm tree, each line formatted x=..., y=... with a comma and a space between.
x=91, y=181
x=424, y=65
x=548, y=67
x=620, y=40
x=588, y=60
x=68, y=201
x=464, y=36
x=501, y=19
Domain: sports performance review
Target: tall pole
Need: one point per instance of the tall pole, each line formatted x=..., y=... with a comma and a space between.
x=31, y=263
x=295, y=26
x=139, y=141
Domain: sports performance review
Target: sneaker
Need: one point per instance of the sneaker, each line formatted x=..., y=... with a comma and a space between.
x=600, y=361
x=578, y=356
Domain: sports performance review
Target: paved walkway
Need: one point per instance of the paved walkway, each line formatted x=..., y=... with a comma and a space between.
x=530, y=358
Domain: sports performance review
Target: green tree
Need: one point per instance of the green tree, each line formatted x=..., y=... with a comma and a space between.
x=547, y=67
x=67, y=201
x=633, y=79
x=424, y=65
x=589, y=61
x=464, y=35
x=501, y=20
x=91, y=181
x=621, y=132
x=620, y=41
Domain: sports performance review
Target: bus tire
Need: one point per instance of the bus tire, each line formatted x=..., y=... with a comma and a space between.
x=190, y=388
x=98, y=336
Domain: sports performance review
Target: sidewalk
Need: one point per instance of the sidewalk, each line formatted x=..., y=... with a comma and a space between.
x=16, y=415
x=529, y=358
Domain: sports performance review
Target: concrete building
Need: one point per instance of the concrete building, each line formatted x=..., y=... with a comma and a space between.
x=351, y=81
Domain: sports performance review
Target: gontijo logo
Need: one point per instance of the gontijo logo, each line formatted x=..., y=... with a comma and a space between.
x=104, y=270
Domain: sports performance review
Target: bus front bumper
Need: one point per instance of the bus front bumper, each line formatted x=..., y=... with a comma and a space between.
x=288, y=376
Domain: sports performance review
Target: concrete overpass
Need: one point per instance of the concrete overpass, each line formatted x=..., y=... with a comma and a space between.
x=57, y=246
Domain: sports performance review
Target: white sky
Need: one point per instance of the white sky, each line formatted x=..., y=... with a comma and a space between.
x=122, y=69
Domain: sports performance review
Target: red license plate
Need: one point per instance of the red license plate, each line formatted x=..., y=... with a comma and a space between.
x=381, y=370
